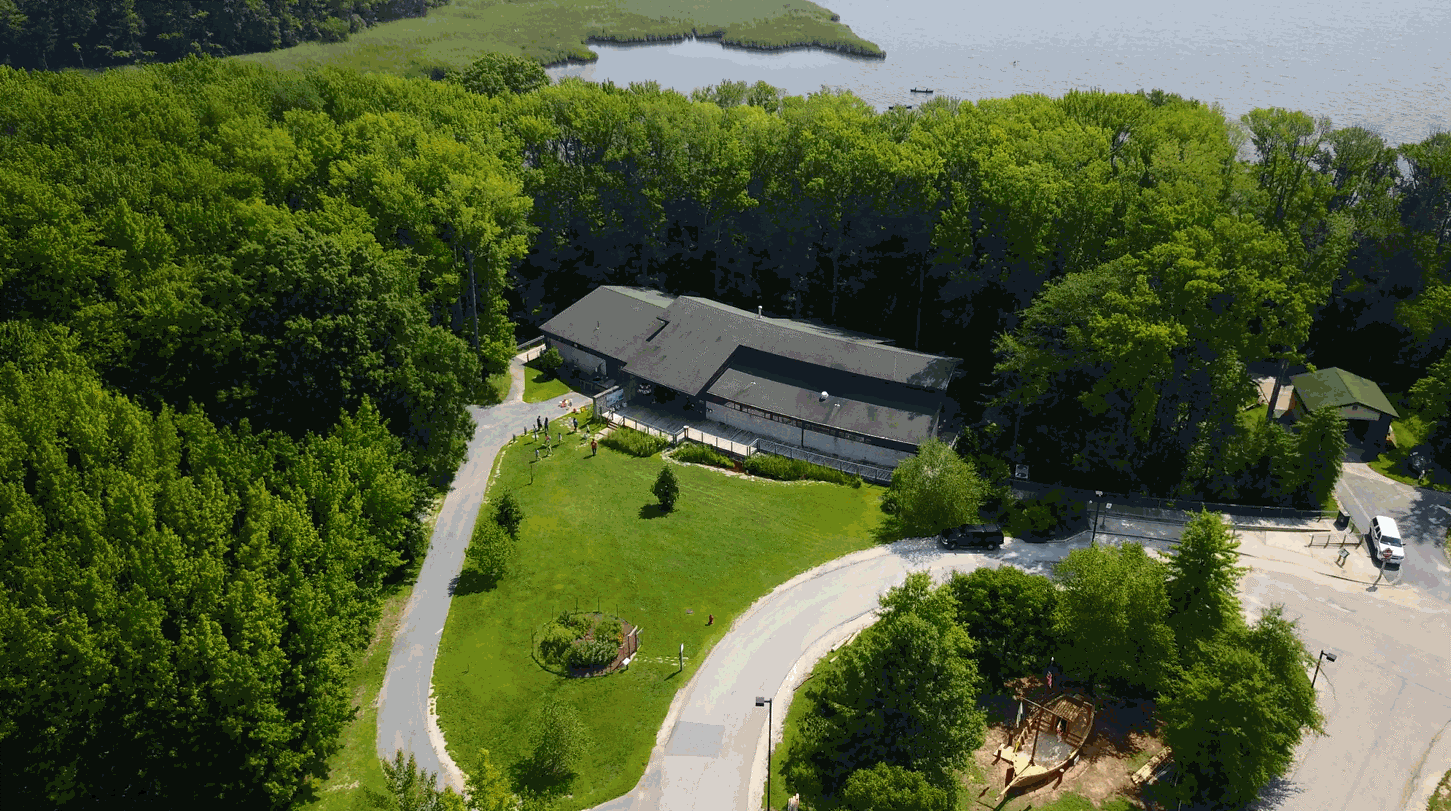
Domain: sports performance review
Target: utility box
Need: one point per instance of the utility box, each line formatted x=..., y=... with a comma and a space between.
x=1344, y=554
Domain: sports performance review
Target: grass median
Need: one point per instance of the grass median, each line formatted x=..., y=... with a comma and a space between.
x=593, y=537
x=552, y=31
x=540, y=385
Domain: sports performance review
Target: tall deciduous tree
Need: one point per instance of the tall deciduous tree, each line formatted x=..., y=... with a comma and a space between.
x=1203, y=575
x=903, y=694
x=1111, y=618
x=1237, y=714
x=1009, y=613
x=936, y=489
x=181, y=603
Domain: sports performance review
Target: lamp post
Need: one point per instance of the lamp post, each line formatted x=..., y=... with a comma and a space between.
x=762, y=700
x=1323, y=655
x=1097, y=508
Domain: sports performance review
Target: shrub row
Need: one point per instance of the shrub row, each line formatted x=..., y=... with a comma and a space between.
x=696, y=453
x=635, y=443
x=786, y=469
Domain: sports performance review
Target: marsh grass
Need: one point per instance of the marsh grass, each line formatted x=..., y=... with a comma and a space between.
x=594, y=539
x=554, y=31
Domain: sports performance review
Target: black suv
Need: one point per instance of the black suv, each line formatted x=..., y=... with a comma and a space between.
x=972, y=536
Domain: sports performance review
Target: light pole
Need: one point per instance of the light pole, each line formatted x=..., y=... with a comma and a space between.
x=1323, y=655
x=762, y=700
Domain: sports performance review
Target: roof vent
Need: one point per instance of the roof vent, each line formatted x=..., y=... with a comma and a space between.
x=758, y=310
x=823, y=397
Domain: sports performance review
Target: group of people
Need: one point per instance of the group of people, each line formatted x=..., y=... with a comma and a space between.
x=541, y=423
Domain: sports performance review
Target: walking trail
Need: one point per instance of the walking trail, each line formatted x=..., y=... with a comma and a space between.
x=406, y=718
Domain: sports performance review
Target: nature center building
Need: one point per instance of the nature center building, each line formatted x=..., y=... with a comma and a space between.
x=822, y=389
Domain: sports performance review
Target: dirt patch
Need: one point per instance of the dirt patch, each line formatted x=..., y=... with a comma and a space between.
x=1122, y=740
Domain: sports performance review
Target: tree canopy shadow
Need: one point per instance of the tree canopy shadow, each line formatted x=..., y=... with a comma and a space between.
x=531, y=780
x=471, y=581
x=649, y=511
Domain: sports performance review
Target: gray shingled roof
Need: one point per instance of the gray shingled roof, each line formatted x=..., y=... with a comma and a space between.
x=621, y=314
x=700, y=336
x=854, y=403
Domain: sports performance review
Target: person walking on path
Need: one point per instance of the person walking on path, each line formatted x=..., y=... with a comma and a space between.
x=546, y=425
x=593, y=447
x=538, y=422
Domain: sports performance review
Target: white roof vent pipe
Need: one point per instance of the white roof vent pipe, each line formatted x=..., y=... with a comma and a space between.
x=758, y=310
x=823, y=397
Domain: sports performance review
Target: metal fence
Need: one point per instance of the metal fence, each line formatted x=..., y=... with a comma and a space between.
x=1124, y=500
x=1323, y=539
x=734, y=448
x=619, y=419
x=871, y=473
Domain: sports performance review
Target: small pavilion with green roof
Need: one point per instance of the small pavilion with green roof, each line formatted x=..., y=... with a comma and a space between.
x=1360, y=401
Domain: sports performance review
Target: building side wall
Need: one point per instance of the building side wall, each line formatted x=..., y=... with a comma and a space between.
x=848, y=449
x=781, y=432
x=1358, y=412
x=578, y=358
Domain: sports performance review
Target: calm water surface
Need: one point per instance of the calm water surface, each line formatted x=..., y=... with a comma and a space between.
x=1380, y=64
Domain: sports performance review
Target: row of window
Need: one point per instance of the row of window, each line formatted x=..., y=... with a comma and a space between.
x=820, y=429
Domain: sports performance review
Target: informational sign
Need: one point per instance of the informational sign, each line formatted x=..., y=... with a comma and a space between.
x=614, y=398
x=1385, y=554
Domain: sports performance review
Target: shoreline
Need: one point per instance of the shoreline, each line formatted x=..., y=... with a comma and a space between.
x=719, y=35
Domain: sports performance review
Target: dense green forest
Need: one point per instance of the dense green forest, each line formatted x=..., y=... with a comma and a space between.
x=50, y=35
x=239, y=335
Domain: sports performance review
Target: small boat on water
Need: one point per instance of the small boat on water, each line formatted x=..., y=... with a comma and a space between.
x=923, y=90
x=1048, y=741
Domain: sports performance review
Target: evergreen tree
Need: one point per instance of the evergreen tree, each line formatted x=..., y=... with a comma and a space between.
x=1203, y=576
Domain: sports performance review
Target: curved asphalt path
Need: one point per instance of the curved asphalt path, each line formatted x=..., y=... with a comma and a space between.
x=710, y=753
x=405, y=708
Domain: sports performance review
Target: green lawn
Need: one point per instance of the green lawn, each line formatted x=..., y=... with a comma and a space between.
x=1410, y=430
x=354, y=769
x=540, y=386
x=552, y=31
x=593, y=537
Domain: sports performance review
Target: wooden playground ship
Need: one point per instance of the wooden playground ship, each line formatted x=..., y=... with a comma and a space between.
x=1048, y=741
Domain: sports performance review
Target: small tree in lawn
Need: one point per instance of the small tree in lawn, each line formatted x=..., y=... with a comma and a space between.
x=559, y=741
x=550, y=361
x=491, y=549
x=936, y=489
x=667, y=489
x=488, y=787
x=508, y=514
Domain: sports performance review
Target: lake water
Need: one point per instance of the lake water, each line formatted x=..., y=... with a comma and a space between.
x=1381, y=64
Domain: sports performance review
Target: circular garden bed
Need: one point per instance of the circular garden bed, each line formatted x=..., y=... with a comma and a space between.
x=583, y=643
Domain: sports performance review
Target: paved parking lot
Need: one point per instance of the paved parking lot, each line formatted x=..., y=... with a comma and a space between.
x=1422, y=516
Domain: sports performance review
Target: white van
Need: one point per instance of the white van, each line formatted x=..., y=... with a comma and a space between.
x=1385, y=536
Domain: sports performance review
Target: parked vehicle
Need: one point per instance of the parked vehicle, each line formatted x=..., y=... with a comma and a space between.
x=1386, y=537
x=974, y=536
